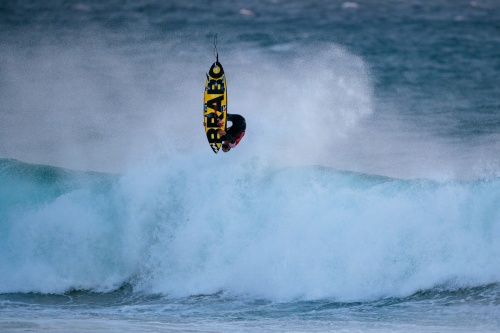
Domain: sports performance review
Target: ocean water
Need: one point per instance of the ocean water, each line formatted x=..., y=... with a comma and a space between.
x=365, y=196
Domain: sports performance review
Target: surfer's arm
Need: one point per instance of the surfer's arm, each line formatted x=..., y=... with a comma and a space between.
x=226, y=136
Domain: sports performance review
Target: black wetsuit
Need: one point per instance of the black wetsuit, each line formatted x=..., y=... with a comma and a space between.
x=239, y=125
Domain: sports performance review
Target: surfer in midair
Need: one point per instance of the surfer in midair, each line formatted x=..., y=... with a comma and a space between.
x=234, y=134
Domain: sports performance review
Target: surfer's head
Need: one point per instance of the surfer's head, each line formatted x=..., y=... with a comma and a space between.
x=225, y=147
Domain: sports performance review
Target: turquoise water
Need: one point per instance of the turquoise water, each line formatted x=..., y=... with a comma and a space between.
x=364, y=196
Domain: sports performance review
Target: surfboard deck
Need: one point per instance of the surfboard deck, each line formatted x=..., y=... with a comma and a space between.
x=215, y=93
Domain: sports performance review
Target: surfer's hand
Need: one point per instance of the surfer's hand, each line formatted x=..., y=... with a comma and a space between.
x=221, y=132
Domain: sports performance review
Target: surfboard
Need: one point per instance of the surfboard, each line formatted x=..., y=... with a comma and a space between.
x=215, y=105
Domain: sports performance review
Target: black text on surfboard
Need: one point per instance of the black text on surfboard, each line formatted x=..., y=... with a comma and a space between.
x=217, y=101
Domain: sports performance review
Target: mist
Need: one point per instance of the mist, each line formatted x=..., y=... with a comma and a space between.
x=86, y=104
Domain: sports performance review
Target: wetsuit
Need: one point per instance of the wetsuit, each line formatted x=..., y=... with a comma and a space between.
x=236, y=131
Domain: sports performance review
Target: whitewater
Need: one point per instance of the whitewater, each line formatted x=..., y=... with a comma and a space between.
x=291, y=233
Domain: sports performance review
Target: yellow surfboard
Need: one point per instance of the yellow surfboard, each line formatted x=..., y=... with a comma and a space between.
x=215, y=105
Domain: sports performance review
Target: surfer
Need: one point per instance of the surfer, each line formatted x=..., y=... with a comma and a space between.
x=234, y=134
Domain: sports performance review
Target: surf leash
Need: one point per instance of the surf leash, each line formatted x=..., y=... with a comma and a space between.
x=215, y=50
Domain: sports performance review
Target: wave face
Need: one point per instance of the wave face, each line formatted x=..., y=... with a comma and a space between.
x=190, y=226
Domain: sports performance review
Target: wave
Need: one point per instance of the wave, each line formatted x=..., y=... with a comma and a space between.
x=193, y=225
